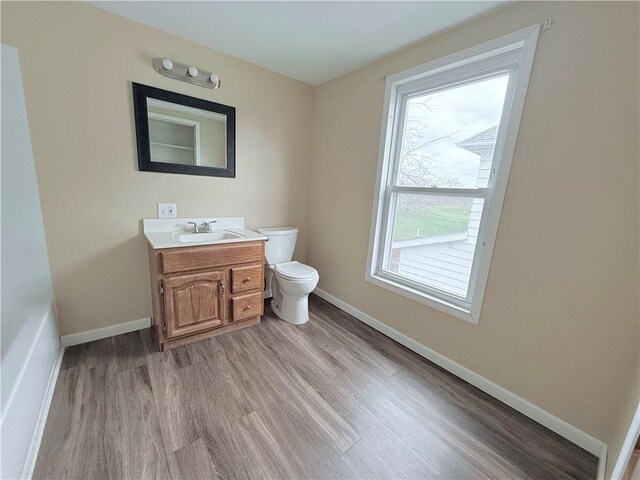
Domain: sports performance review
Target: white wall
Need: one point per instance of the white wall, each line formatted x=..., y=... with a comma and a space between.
x=30, y=344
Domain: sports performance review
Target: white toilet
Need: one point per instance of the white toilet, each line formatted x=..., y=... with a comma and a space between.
x=289, y=283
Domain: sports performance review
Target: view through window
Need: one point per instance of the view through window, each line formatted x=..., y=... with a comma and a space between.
x=448, y=140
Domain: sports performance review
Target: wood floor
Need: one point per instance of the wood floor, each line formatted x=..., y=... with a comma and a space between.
x=329, y=399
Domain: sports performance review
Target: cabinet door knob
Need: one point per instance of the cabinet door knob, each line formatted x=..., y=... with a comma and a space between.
x=246, y=280
x=222, y=289
x=248, y=307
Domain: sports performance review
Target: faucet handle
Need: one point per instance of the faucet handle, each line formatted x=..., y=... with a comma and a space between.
x=195, y=226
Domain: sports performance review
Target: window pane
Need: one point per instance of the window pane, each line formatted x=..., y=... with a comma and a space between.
x=434, y=239
x=449, y=135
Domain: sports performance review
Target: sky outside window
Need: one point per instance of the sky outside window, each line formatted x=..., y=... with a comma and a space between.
x=436, y=122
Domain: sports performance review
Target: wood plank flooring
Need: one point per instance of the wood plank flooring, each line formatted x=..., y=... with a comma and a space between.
x=329, y=399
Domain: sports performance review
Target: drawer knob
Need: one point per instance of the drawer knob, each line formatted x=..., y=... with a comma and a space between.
x=246, y=280
x=248, y=307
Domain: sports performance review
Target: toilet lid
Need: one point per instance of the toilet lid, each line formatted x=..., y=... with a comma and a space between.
x=296, y=271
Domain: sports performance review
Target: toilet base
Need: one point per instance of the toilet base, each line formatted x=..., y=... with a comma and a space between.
x=294, y=310
x=290, y=301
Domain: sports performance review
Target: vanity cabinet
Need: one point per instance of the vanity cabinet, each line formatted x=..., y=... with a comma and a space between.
x=202, y=291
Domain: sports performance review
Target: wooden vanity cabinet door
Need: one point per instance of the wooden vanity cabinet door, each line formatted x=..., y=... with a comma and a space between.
x=193, y=303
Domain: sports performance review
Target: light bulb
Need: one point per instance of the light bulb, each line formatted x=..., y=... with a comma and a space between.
x=193, y=71
x=215, y=79
x=167, y=64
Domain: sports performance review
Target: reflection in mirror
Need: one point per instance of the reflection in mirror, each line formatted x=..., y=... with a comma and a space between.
x=177, y=133
x=185, y=135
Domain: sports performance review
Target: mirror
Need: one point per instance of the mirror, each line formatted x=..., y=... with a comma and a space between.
x=182, y=134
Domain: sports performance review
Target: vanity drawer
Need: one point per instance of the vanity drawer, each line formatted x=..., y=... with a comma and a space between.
x=246, y=278
x=184, y=259
x=246, y=306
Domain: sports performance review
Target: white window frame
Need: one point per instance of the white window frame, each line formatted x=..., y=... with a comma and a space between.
x=513, y=53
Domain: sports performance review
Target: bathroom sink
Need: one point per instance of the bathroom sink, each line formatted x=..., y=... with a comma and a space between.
x=205, y=237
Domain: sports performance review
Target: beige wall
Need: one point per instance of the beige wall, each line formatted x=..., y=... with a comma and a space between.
x=560, y=324
x=78, y=63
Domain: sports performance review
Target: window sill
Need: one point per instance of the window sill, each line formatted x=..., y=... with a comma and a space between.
x=424, y=298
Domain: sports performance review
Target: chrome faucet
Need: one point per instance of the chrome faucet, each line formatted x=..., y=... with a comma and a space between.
x=204, y=227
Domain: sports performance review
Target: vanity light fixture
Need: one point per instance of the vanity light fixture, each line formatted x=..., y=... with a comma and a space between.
x=186, y=73
x=215, y=79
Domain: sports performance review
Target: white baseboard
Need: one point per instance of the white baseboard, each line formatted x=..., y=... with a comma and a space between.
x=553, y=423
x=105, y=332
x=602, y=463
x=627, y=447
x=30, y=462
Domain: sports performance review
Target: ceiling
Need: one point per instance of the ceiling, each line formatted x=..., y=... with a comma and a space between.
x=307, y=40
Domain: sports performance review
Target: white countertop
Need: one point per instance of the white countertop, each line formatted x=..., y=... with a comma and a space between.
x=159, y=232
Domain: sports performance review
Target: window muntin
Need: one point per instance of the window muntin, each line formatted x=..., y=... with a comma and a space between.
x=449, y=178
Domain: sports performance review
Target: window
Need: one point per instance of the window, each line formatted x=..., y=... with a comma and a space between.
x=448, y=138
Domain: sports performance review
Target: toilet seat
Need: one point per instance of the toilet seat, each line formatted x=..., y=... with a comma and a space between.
x=295, y=271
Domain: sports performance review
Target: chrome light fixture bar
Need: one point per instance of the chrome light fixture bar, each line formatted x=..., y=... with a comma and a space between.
x=186, y=73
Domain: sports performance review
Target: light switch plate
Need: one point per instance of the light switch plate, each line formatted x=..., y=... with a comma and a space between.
x=167, y=210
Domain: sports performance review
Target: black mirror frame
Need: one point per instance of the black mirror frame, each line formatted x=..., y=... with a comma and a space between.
x=140, y=95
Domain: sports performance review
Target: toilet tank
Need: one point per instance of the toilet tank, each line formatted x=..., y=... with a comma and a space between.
x=282, y=241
